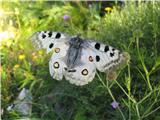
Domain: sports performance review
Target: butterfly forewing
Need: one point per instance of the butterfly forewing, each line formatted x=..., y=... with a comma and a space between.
x=105, y=56
x=48, y=39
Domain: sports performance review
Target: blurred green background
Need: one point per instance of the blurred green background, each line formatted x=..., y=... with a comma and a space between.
x=133, y=27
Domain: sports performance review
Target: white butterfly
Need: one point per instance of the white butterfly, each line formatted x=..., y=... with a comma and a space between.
x=75, y=58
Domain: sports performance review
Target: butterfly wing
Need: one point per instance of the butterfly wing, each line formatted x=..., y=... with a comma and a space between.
x=106, y=57
x=48, y=39
x=57, y=61
x=84, y=72
x=56, y=67
x=57, y=42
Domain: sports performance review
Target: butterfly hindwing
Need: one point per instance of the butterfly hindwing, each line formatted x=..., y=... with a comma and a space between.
x=84, y=72
x=56, y=65
x=57, y=61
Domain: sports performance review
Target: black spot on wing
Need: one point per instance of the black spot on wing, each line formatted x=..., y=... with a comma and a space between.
x=97, y=46
x=50, y=34
x=43, y=36
x=106, y=49
x=111, y=54
x=71, y=70
x=51, y=45
x=97, y=58
x=65, y=68
x=58, y=35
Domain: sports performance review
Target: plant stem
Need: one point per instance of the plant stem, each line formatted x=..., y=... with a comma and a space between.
x=137, y=110
x=106, y=86
x=143, y=64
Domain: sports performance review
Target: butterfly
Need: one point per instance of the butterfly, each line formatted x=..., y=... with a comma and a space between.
x=75, y=58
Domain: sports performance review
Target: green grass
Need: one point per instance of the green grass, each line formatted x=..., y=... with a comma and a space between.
x=134, y=28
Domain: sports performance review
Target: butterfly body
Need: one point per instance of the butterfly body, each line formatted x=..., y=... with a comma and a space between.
x=74, y=52
x=76, y=59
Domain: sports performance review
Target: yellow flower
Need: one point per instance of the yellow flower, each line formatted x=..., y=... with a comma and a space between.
x=108, y=9
x=16, y=66
x=1, y=47
x=34, y=57
x=40, y=52
x=21, y=57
